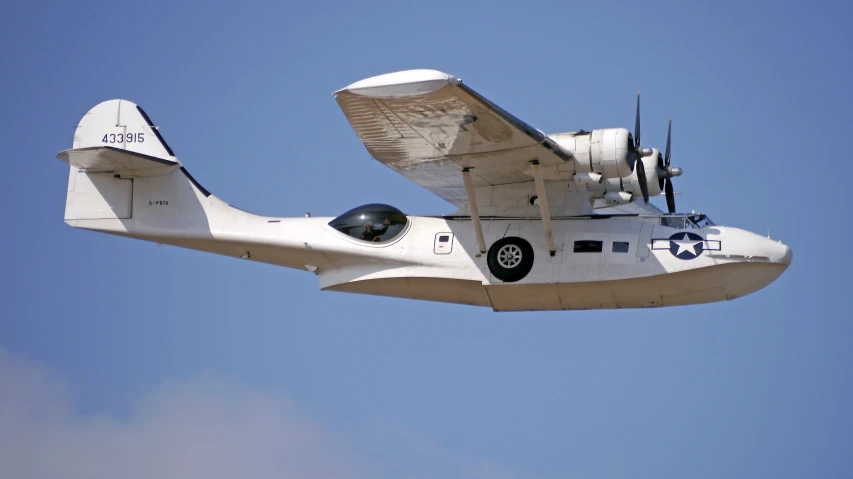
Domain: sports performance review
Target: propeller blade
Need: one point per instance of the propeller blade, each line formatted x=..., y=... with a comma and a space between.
x=637, y=124
x=670, y=196
x=641, y=176
x=668, y=138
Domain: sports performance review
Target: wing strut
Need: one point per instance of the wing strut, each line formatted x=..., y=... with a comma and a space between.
x=472, y=207
x=543, y=206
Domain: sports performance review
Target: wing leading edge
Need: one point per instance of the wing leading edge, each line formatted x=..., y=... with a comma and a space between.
x=428, y=126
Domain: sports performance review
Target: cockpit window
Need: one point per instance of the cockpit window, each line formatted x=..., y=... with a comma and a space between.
x=701, y=221
x=673, y=221
x=375, y=223
x=686, y=221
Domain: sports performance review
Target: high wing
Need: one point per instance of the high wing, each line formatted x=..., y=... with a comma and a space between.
x=428, y=126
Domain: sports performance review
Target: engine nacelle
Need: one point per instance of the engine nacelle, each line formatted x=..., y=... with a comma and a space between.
x=606, y=151
x=603, y=161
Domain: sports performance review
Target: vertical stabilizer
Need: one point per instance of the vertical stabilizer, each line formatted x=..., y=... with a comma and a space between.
x=123, y=125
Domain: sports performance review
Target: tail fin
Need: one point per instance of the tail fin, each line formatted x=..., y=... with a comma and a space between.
x=121, y=125
x=120, y=162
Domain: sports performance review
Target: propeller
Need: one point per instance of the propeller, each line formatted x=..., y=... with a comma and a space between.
x=641, y=175
x=668, y=172
x=637, y=124
x=665, y=172
x=639, y=153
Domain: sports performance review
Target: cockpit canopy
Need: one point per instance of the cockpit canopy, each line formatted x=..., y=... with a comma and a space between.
x=375, y=223
x=686, y=221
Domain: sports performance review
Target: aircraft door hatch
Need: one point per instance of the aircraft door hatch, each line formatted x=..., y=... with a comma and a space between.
x=644, y=240
x=513, y=229
x=443, y=243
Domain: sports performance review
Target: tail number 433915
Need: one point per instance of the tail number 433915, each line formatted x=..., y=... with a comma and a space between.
x=123, y=137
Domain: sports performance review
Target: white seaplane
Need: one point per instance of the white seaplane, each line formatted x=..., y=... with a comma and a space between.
x=544, y=222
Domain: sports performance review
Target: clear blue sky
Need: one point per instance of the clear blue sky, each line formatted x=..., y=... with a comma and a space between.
x=119, y=358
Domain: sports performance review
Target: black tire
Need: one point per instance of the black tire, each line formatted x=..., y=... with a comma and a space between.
x=510, y=259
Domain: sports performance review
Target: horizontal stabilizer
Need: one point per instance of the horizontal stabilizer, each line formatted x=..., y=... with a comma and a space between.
x=100, y=159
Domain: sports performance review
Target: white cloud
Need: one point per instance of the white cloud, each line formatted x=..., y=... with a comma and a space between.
x=205, y=427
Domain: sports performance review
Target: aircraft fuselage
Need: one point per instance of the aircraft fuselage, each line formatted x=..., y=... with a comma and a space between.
x=599, y=262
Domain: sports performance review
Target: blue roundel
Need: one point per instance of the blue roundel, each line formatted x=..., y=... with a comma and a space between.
x=684, y=245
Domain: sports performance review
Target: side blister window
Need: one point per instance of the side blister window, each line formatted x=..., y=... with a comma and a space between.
x=374, y=223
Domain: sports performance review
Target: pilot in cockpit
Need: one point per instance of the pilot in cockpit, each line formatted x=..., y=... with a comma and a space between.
x=373, y=234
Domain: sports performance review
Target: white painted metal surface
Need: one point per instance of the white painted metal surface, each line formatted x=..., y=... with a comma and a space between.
x=98, y=196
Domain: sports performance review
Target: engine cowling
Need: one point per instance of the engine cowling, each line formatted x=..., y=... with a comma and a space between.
x=610, y=153
x=653, y=165
x=606, y=151
x=614, y=190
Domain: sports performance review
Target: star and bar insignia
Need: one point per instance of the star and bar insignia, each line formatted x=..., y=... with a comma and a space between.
x=685, y=245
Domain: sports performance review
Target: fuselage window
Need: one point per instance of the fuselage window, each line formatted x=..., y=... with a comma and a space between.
x=588, y=246
x=443, y=239
x=375, y=223
x=620, y=246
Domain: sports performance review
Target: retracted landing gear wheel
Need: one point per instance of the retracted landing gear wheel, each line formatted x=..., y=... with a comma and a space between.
x=510, y=259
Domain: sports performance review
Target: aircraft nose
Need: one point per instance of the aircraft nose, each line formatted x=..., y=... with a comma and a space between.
x=782, y=254
x=788, y=256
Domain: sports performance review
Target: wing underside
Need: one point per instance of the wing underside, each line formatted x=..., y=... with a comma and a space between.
x=428, y=126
